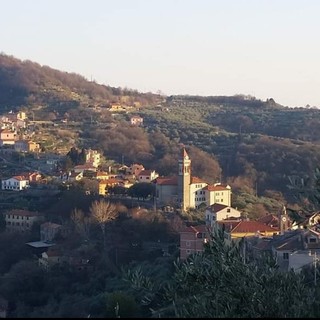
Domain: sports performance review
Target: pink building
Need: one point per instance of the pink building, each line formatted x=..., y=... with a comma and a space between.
x=192, y=239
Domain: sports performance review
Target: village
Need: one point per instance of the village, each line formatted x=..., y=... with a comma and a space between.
x=292, y=244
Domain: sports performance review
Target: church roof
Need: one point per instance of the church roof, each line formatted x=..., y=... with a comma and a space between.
x=167, y=180
x=216, y=188
x=196, y=180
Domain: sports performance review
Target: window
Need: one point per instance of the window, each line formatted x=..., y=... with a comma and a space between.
x=312, y=240
x=199, y=235
x=188, y=251
x=285, y=256
x=228, y=210
x=188, y=243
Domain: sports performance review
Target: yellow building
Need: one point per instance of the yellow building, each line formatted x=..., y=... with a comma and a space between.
x=236, y=229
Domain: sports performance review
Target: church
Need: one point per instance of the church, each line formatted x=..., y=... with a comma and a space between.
x=187, y=192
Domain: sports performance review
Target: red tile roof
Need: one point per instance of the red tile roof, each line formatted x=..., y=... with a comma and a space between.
x=269, y=220
x=195, y=229
x=19, y=178
x=252, y=226
x=196, y=180
x=145, y=172
x=216, y=188
x=167, y=181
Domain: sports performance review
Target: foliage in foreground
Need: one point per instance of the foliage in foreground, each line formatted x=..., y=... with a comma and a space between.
x=219, y=283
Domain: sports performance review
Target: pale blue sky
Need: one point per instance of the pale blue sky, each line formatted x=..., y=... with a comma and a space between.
x=265, y=48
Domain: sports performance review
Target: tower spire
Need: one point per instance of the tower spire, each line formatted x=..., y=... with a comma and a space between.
x=184, y=180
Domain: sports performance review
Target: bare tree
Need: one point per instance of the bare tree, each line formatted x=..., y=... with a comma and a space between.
x=104, y=212
x=81, y=222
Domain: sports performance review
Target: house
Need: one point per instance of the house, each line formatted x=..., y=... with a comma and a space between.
x=51, y=258
x=166, y=190
x=83, y=167
x=192, y=240
x=26, y=146
x=147, y=175
x=7, y=137
x=219, y=212
x=105, y=184
x=21, y=220
x=270, y=220
x=20, y=123
x=135, y=169
x=16, y=183
x=296, y=248
x=92, y=157
x=292, y=249
x=21, y=115
x=188, y=192
x=49, y=230
x=75, y=176
x=32, y=176
x=136, y=121
x=100, y=175
x=236, y=229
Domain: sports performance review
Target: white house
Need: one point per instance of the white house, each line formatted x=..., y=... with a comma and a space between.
x=16, y=183
x=219, y=212
x=147, y=175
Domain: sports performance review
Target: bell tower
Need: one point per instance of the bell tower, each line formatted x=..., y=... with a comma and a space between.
x=284, y=220
x=184, y=180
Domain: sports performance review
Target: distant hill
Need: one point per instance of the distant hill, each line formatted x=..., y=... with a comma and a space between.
x=26, y=83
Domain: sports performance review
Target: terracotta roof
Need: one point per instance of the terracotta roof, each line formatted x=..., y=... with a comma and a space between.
x=102, y=173
x=195, y=229
x=167, y=181
x=252, y=226
x=229, y=225
x=145, y=172
x=269, y=220
x=196, y=180
x=53, y=253
x=19, y=178
x=110, y=181
x=216, y=188
x=216, y=207
x=6, y=131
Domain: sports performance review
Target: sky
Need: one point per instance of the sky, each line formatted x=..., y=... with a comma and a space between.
x=262, y=48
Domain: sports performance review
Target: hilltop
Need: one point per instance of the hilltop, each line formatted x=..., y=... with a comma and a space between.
x=26, y=83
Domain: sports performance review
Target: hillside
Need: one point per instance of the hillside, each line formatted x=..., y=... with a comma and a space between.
x=260, y=147
x=26, y=83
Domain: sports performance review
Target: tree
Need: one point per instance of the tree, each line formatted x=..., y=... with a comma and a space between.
x=81, y=222
x=219, y=283
x=142, y=190
x=103, y=212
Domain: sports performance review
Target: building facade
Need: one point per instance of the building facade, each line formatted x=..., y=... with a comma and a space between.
x=187, y=192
